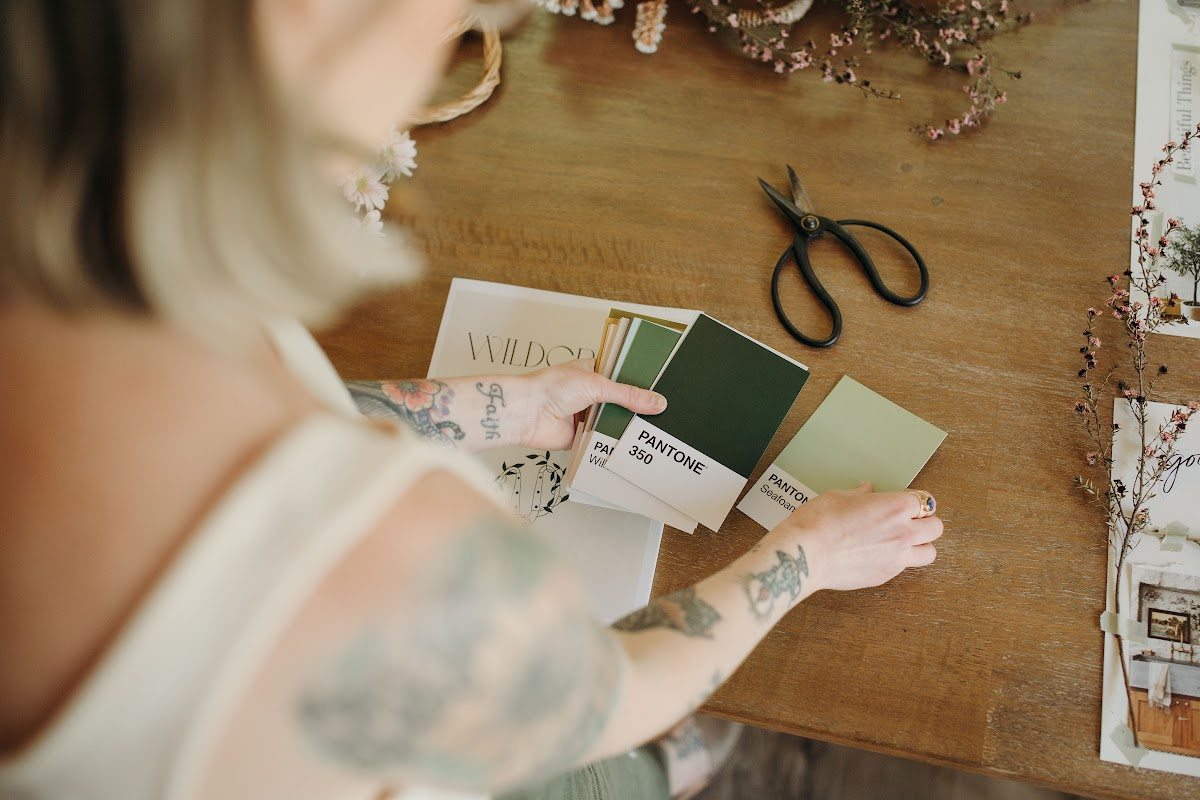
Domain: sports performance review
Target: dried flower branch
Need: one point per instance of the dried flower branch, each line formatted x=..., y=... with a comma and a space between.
x=649, y=27
x=950, y=36
x=1126, y=505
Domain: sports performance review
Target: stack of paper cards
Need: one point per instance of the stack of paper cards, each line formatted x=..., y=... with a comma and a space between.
x=642, y=353
x=726, y=395
x=854, y=436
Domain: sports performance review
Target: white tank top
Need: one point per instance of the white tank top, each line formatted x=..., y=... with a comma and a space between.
x=148, y=717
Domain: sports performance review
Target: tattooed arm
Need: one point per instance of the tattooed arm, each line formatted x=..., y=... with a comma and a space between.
x=485, y=670
x=682, y=646
x=486, y=412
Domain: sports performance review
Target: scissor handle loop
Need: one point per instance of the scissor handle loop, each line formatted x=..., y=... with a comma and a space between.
x=799, y=252
x=848, y=239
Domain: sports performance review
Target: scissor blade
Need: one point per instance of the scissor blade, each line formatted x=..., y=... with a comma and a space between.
x=786, y=206
x=799, y=196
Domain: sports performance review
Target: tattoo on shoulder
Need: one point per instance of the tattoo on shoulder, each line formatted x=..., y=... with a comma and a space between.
x=485, y=676
x=764, y=588
x=422, y=404
x=683, y=611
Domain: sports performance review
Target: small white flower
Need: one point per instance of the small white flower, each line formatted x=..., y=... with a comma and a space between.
x=372, y=222
x=366, y=189
x=398, y=157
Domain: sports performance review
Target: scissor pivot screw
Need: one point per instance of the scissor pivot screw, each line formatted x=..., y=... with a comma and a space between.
x=810, y=223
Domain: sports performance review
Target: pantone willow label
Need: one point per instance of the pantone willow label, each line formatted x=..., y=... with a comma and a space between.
x=593, y=479
x=599, y=449
x=774, y=497
x=675, y=472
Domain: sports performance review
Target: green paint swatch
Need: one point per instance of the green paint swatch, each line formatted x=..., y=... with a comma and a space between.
x=726, y=394
x=646, y=348
x=856, y=435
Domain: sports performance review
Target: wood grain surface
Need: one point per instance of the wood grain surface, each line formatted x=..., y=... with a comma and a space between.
x=600, y=171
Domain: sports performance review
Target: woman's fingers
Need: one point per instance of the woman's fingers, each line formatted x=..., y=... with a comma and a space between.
x=925, y=530
x=922, y=555
x=576, y=386
x=639, y=401
x=582, y=364
x=926, y=506
x=909, y=504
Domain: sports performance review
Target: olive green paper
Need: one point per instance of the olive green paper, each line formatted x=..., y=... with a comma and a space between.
x=855, y=435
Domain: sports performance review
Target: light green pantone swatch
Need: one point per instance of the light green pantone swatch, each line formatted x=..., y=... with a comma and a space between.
x=856, y=435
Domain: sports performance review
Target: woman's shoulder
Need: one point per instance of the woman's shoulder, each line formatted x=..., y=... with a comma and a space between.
x=411, y=659
x=118, y=434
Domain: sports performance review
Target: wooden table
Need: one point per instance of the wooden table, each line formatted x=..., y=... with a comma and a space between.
x=597, y=170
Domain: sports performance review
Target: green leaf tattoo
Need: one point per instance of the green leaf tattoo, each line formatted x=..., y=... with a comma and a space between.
x=421, y=404
x=682, y=611
x=763, y=588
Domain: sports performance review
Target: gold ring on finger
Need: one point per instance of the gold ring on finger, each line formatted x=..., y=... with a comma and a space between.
x=928, y=504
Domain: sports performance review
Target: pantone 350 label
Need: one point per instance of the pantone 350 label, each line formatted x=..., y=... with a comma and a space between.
x=676, y=472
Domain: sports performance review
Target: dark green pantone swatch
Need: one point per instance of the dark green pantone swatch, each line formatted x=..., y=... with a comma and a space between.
x=726, y=394
x=647, y=347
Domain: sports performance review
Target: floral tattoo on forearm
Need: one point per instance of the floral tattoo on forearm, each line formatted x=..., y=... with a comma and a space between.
x=764, y=588
x=682, y=611
x=421, y=404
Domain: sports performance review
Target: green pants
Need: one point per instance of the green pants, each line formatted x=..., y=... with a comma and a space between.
x=636, y=775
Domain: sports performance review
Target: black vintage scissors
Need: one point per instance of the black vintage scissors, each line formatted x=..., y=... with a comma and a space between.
x=809, y=225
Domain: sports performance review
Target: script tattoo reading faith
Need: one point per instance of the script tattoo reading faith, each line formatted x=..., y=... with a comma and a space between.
x=682, y=611
x=764, y=588
x=491, y=415
x=421, y=404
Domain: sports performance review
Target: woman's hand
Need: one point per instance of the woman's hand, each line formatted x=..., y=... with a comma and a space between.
x=857, y=538
x=546, y=401
x=490, y=411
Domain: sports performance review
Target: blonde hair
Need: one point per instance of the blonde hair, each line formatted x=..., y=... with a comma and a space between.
x=150, y=165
